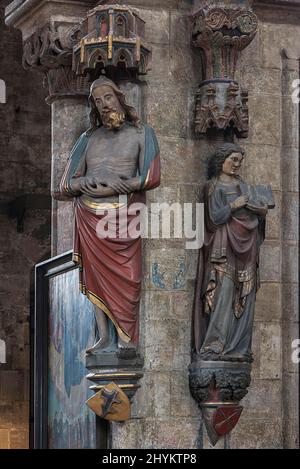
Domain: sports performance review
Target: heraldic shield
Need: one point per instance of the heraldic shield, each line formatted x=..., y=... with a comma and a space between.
x=110, y=403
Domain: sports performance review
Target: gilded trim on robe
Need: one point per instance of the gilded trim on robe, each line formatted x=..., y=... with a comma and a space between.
x=102, y=206
x=96, y=300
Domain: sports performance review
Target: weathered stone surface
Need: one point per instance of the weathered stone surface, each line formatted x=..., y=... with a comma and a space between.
x=290, y=335
x=160, y=394
x=271, y=35
x=156, y=401
x=273, y=220
x=263, y=400
x=69, y=120
x=163, y=112
x=64, y=227
x=182, y=305
x=180, y=161
x=261, y=81
x=252, y=55
x=172, y=433
x=290, y=410
x=185, y=65
x=160, y=61
x=270, y=351
x=270, y=262
x=262, y=165
x=265, y=127
x=257, y=434
x=290, y=207
x=157, y=305
x=181, y=404
x=290, y=163
x=157, y=28
x=290, y=122
x=175, y=337
x=127, y=435
x=290, y=263
x=290, y=302
x=255, y=370
x=268, y=303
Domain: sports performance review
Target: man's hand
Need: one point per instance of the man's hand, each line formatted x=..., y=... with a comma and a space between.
x=119, y=185
x=76, y=184
x=239, y=202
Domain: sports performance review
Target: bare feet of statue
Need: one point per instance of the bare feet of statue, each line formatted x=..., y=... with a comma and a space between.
x=103, y=331
x=98, y=347
x=125, y=349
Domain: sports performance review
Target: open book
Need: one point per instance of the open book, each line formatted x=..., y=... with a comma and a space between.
x=259, y=196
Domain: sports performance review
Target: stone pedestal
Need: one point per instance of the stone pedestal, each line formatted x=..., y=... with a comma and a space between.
x=107, y=367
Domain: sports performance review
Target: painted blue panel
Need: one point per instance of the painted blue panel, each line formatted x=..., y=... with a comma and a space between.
x=71, y=424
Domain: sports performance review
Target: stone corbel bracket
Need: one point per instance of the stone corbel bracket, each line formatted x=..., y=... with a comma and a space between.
x=113, y=39
x=221, y=33
x=218, y=387
x=124, y=373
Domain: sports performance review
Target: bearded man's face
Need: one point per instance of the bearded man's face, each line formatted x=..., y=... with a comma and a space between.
x=109, y=107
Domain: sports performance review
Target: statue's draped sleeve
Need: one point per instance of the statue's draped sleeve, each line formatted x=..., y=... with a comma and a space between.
x=75, y=166
x=150, y=171
x=219, y=210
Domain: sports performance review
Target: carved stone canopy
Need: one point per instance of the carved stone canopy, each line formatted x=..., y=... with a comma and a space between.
x=221, y=33
x=113, y=36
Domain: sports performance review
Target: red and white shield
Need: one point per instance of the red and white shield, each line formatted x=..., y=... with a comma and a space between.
x=226, y=418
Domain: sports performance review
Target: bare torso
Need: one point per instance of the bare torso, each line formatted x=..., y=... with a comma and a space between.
x=115, y=151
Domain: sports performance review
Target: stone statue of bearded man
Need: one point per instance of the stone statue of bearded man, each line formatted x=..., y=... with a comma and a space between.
x=117, y=155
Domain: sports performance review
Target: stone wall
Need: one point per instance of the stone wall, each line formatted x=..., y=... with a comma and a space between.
x=24, y=182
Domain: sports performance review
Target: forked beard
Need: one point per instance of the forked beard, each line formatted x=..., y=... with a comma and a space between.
x=113, y=120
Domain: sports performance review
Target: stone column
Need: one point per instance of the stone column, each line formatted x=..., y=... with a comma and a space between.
x=290, y=249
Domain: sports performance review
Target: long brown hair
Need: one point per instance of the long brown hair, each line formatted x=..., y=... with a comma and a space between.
x=95, y=118
x=223, y=151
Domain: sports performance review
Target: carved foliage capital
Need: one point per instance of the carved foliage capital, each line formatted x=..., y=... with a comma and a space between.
x=50, y=49
x=51, y=46
x=220, y=26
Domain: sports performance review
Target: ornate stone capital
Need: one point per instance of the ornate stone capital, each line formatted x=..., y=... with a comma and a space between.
x=50, y=29
x=50, y=49
x=221, y=33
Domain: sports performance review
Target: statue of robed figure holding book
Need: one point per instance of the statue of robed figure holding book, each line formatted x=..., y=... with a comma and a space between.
x=226, y=286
